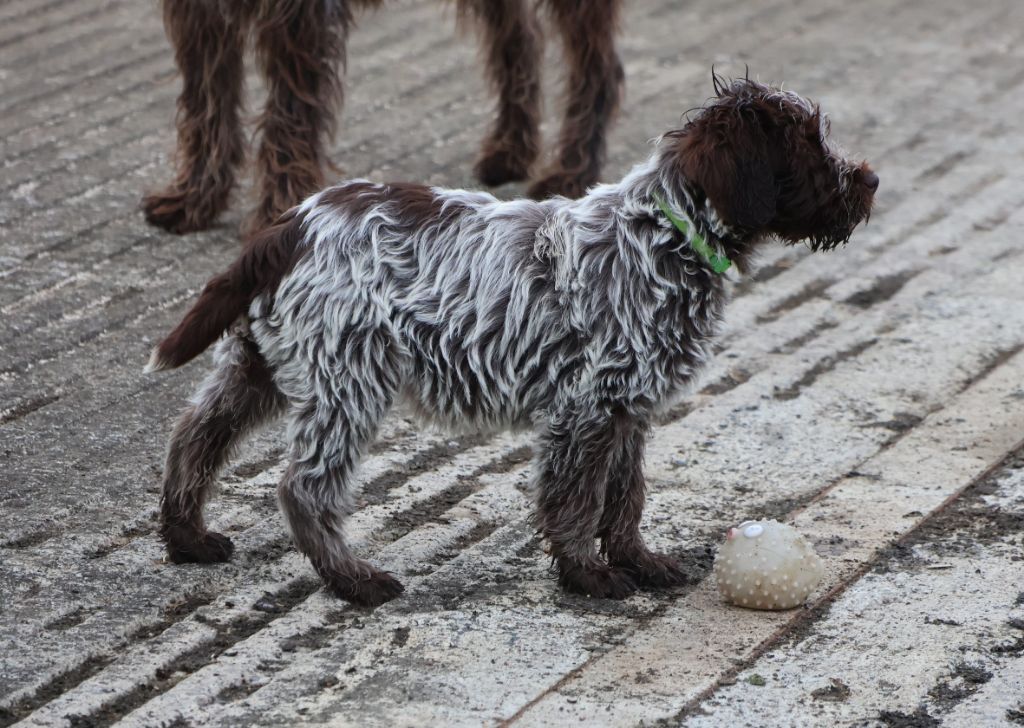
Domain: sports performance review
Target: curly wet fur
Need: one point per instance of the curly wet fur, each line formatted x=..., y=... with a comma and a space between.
x=579, y=320
x=300, y=49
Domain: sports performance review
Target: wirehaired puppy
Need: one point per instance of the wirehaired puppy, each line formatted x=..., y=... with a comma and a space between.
x=300, y=50
x=580, y=319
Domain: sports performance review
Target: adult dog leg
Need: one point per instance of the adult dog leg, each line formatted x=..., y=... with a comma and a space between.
x=208, y=46
x=577, y=452
x=346, y=396
x=512, y=41
x=237, y=396
x=621, y=542
x=300, y=45
x=594, y=89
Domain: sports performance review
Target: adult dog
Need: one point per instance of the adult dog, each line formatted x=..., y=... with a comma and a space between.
x=577, y=318
x=300, y=46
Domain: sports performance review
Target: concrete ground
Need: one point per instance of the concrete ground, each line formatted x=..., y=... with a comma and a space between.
x=873, y=397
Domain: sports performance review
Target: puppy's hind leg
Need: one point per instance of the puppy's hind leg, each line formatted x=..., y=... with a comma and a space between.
x=577, y=450
x=208, y=39
x=511, y=40
x=342, y=401
x=237, y=396
x=621, y=542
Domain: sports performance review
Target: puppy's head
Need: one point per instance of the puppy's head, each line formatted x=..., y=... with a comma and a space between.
x=763, y=160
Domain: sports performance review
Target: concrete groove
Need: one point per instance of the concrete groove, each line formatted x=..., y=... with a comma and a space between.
x=797, y=342
x=16, y=104
x=290, y=595
x=53, y=688
x=824, y=603
x=881, y=290
x=945, y=165
x=992, y=363
x=27, y=32
x=823, y=366
x=25, y=407
x=811, y=290
x=33, y=9
x=71, y=619
x=91, y=665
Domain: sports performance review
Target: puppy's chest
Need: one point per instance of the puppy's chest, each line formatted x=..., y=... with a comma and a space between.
x=687, y=326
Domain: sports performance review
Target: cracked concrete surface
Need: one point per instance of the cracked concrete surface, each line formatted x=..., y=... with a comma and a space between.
x=873, y=397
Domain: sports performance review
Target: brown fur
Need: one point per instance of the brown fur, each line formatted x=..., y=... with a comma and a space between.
x=300, y=47
x=763, y=169
x=594, y=88
x=264, y=262
x=208, y=47
x=513, y=43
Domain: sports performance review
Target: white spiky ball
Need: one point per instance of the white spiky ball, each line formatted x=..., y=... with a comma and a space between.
x=766, y=565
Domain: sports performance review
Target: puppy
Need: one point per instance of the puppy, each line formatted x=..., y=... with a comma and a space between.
x=578, y=319
x=300, y=49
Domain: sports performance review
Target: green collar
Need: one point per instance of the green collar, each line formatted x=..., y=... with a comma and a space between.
x=719, y=263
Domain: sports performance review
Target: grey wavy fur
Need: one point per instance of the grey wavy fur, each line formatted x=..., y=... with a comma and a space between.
x=577, y=319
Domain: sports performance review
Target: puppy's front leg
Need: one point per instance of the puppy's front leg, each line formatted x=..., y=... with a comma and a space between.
x=577, y=451
x=621, y=542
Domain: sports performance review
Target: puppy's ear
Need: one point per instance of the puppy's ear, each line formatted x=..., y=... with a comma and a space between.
x=726, y=154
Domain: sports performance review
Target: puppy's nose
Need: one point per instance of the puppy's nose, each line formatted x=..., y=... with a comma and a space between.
x=870, y=180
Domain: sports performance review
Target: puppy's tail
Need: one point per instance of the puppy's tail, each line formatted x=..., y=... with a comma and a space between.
x=263, y=263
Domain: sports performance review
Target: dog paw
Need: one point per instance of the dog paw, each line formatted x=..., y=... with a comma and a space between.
x=205, y=548
x=558, y=183
x=599, y=582
x=176, y=211
x=498, y=165
x=369, y=590
x=655, y=571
